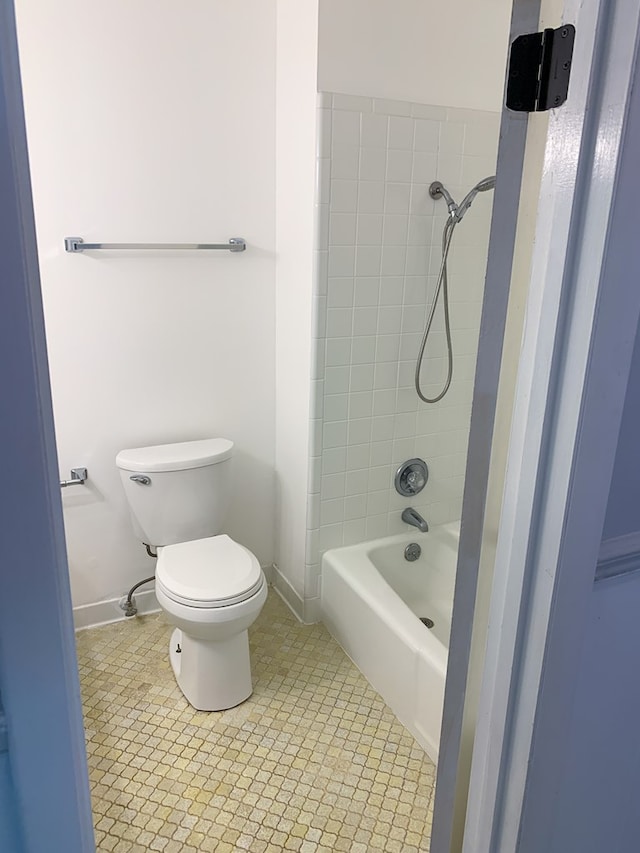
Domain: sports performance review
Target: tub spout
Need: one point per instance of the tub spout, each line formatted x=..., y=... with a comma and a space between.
x=412, y=516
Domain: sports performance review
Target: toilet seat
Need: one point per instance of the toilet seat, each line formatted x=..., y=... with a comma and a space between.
x=208, y=573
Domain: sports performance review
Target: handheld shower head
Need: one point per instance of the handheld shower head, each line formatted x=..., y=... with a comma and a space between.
x=486, y=184
x=481, y=187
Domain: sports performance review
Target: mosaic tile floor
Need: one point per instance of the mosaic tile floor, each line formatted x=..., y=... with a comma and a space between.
x=313, y=761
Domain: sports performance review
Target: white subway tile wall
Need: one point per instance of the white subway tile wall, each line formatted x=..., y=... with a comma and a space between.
x=377, y=261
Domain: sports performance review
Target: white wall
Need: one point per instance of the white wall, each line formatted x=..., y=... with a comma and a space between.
x=149, y=124
x=297, y=38
x=449, y=54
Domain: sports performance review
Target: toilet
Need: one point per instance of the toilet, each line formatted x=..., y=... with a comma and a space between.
x=211, y=588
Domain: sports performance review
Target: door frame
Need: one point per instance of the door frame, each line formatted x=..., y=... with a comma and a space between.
x=510, y=162
x=566, y=417
x=39, y=682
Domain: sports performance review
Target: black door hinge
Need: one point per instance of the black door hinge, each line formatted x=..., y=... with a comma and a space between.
x=539, y=70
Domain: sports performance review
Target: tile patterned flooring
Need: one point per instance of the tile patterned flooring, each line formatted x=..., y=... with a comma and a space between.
x=313, y=761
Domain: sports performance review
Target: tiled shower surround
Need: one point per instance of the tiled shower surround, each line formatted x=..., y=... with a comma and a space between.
x=378, y=256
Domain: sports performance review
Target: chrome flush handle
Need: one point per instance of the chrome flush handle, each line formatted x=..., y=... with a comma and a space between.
x=141, y=478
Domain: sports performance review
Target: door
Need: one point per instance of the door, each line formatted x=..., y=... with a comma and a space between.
x=44, y=790
x=561, y=446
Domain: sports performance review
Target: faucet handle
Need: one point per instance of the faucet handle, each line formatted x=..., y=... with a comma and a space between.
x=411, y=477
x=415, y=481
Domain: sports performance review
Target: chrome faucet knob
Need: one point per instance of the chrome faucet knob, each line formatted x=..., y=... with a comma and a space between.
x=411, y=477
x=415, y=481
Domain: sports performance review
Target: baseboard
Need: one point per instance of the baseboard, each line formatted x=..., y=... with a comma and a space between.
x=105, y=612
x=287, y=593
x=312, y=611
x=306, y=610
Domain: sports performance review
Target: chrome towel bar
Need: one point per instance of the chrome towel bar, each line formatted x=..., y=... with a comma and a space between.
x=77, y=244
x=78, y=477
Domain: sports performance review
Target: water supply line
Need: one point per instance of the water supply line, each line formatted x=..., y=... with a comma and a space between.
x=456, y=212
x=128, y=604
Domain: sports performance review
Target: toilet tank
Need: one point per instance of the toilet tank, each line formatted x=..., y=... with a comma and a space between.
x=177, y=492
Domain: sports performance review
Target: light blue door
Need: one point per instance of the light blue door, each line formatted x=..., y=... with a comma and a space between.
x=44, y=792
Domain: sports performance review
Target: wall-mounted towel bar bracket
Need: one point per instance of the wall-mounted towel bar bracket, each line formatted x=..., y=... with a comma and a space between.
x=77, y=244
x=78, y=477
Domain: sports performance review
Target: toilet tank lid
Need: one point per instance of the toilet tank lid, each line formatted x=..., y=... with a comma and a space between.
x=175, y=457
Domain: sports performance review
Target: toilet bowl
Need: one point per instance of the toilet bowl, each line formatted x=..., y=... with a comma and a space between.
x=211, y=587
x=212, y=590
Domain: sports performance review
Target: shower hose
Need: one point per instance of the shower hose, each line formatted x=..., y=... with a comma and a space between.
x=442, y=285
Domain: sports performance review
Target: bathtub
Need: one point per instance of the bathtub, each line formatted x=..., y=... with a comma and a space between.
x=372, y=601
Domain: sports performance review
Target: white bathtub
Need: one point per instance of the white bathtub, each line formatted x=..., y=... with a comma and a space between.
x=372, y=599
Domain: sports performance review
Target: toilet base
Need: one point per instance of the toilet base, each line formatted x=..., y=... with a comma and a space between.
x=213, y=676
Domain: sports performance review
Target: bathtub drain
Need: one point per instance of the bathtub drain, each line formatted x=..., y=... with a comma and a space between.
x=428, y=622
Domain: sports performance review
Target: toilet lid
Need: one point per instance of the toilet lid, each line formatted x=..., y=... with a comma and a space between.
x=211, y=572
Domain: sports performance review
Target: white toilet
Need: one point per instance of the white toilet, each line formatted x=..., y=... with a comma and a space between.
x=211, y=588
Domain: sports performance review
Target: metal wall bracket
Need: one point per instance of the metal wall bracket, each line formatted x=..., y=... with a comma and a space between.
x=78, y=477
x=539, y=70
